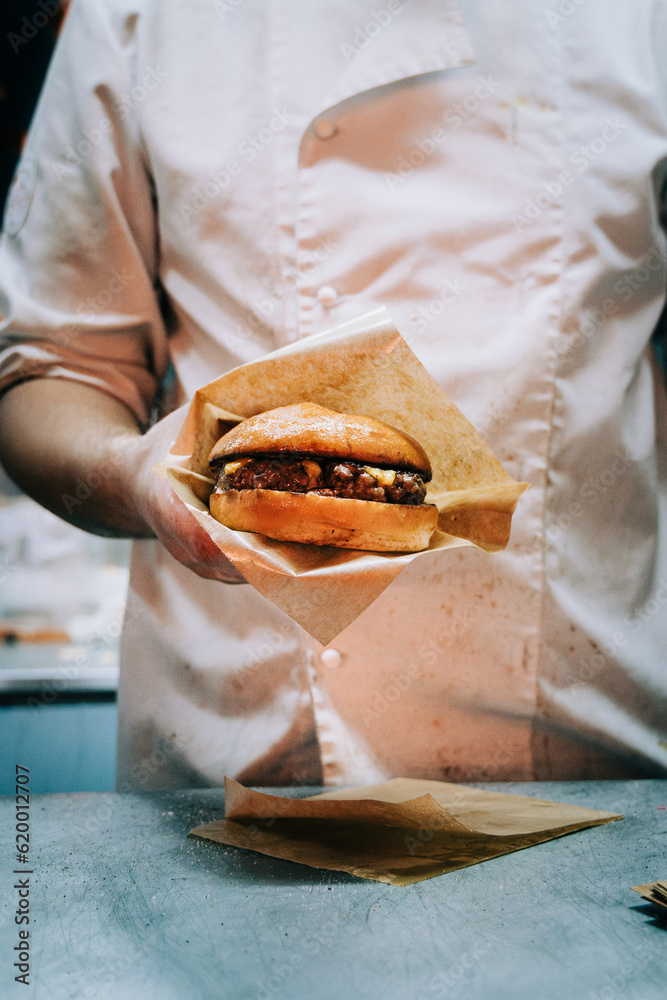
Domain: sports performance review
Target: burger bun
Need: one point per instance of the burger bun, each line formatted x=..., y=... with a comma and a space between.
x=312, y=519
x=309, y=429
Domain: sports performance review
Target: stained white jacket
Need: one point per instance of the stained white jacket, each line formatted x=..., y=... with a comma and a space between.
x=206, y=181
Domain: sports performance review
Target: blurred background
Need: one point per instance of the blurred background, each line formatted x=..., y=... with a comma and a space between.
x=62, y=591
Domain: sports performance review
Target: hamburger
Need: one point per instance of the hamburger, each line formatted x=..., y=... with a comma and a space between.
x=303, y=473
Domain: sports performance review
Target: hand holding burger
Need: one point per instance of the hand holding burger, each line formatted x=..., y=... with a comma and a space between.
x=303, y=473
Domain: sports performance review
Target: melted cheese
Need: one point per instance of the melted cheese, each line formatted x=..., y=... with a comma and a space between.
x=232, y=467
x=385, y=477
x=314, y=472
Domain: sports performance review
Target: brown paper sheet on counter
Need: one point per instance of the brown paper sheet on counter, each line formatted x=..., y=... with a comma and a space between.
x=363, y=367
x=400, y=832
x=653, y=892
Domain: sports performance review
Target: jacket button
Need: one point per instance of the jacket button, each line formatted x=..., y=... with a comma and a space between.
x=327, y=295
x=330, y=658
x=325, y=129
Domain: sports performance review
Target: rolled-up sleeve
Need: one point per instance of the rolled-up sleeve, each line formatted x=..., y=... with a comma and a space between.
x=79, y=252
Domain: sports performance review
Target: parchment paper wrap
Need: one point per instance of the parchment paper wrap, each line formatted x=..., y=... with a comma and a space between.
x=401, y=831
x=362, y=367
x=653, y=892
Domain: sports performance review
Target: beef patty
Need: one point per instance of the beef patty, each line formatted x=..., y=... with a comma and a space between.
x=326, y=477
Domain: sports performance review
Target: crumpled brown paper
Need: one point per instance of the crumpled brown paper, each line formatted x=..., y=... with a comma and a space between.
x=400, y=832
x=362, y=367
x=653, y=892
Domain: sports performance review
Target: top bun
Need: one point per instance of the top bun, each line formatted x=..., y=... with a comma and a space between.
x=309, y=429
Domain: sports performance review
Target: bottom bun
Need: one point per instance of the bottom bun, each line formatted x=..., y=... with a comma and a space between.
x=316, y=520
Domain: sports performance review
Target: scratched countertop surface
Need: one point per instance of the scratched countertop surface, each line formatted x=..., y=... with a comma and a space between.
x=123, y=906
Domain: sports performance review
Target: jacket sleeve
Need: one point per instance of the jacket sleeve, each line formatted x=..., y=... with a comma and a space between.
x=79, y=252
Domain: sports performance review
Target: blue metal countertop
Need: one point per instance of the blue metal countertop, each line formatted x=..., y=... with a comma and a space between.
x=124, y=907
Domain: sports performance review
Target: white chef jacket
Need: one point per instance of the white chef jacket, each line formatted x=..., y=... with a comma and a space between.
x=206, y=181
